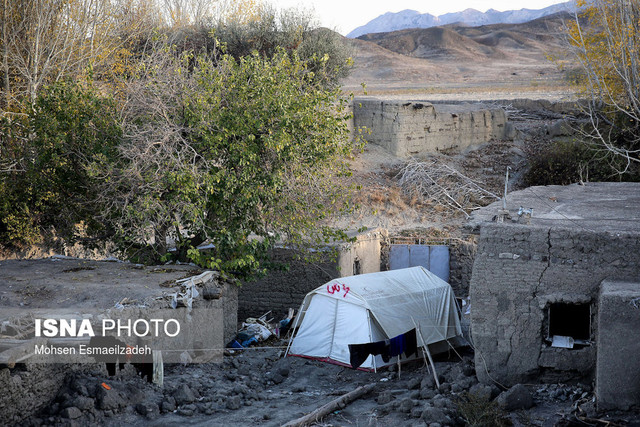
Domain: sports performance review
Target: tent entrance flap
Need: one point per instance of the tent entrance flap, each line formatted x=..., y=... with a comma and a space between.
x=315, y=334
x=351, y=325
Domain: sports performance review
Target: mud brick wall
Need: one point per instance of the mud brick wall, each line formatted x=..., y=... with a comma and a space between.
x=408, y=128
x=618, y=367
x=461, y=257
x=518, y=272
x=229, y=304
x=283, y=289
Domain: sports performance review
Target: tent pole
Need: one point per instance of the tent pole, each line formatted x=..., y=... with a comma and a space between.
x=454, y=350
x=424, y=357
x=373, y=357
x=435, y=375
x=426, y=350
x=333, y=329
x=295, y=325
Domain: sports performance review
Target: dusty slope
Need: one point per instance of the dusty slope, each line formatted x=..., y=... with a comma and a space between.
x=460, y=58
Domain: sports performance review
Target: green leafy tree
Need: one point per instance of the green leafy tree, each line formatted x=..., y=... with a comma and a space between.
x=69, y=127
x=267, y=30
x=241, y=153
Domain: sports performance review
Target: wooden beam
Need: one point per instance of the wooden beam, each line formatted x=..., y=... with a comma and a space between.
x=334, y=405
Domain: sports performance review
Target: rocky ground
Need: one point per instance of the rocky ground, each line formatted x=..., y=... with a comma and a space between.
x=260, y=387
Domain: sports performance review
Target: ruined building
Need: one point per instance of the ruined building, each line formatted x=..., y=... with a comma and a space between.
x=555, y=289
x=286, y=288
x=410, y=128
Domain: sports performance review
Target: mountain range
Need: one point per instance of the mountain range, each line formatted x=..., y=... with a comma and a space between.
x=393, y=21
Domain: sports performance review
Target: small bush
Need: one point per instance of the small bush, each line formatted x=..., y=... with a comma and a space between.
x=478, y=411
x=568, y=162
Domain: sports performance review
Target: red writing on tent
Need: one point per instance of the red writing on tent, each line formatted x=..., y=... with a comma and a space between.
x=332, y=289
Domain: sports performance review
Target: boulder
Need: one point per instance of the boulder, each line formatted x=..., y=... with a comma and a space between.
x=234, y=402
x=517, y=397
x=183, y=395
x=71, y=412
x=434, y=415
x=148, y=409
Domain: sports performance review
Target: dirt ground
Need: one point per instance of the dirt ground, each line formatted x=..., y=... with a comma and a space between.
x=61, y=282
x=258, y=386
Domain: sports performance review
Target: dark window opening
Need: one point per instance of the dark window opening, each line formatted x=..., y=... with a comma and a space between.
x=570, y=320
x=356, y=267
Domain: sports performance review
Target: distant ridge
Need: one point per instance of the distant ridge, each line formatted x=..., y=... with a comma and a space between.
x=411, y=19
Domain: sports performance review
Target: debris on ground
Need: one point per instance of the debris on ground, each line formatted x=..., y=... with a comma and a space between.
x=257, y=330
x=257, y=386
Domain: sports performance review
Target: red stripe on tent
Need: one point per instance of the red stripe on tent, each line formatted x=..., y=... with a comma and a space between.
x=329, y=360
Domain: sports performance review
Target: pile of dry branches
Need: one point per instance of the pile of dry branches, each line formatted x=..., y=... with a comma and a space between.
x=441, y=185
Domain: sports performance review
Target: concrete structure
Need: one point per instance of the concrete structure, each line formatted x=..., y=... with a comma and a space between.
x=618, y=367
x=540, y=277
x=410, y=128
x=284, y=289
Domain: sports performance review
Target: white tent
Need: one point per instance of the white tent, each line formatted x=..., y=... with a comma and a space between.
x=373, y=307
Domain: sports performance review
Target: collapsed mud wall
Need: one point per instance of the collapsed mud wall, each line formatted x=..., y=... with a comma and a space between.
x=30, y=387
x=522, y=273
x=409, y=128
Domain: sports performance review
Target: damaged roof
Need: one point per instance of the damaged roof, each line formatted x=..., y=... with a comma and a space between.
x=599, y=206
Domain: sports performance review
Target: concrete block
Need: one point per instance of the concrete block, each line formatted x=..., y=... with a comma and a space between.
x=618, y=341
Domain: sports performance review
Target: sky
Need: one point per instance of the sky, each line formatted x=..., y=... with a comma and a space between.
x=346, y=15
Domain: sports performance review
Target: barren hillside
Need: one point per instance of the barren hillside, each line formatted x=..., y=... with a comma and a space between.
x=458, y=58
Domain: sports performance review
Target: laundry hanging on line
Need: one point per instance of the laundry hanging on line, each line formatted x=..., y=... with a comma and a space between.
x=406, y=343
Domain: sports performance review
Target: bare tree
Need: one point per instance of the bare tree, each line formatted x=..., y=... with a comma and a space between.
x=45, y=40
x=155, y=146
x=181, y=13
x=605, y=37
x=5, y=54
x=442, y=185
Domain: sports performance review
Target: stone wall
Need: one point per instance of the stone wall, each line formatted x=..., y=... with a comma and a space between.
x=519, y=271
x=409, y=128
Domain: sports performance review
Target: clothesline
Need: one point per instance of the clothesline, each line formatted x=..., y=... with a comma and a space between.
x=406, y=343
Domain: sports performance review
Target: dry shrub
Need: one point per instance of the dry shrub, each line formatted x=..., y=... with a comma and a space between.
x=435, y=183
x=479, y=411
